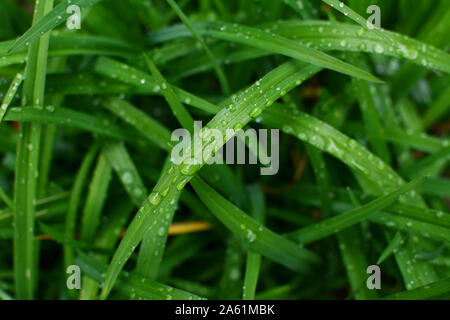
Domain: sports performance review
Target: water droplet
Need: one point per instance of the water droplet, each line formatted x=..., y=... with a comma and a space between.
x=234, y=274
x=238, y=126
x=189, y=168
x=127, y=177
x=165, y=192
x=231, y=108
x=251, y=236
x=255, y=112
x=379, y=48
x=439, y=214
x=390, y=224
x=155, y=198
x=182, y=183
x=413, y=54
x=362, y=46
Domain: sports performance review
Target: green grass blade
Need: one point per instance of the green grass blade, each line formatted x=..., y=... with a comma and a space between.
x=74, y=201
x=219, y=71
x=348, y=12
x=253, y=263
x=67, y=117
x=322, y=177
x=96, y=197
x=372, y=124
x=394, y=244
x=355, y=262
x=138, y=78
x=6, y=199
x=27, y=166
x=427, y=165
x=4, y=295
x=420, y=141
x=337, y=36
x=278, y=44
x=438, y=109
x=92, y=214
x=345, y=37
x=230, y=282
x=64, y=45
x=332, y=225
x=303, y=7
x=105, y=240
x=133, y=285
x=251, y=232
x=153, y=244
x=418, y=227
x=10, y=94
x=49, y=133
x=428, y=291
x=184, y=118
x=58, y=236
x=48, y=21
x=252, y=267
x=123, y=165
x=148, y=127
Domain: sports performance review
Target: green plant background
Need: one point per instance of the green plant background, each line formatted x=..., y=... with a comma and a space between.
x=85, y=123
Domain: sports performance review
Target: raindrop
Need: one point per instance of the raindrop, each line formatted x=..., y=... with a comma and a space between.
x=238, y=126
x=155, y=198
x=379, y=48
x=127, y=177
x=255, y=112
x=251, y=236
x=181, y=185
x=189, y=168
x=165, y=192
x=362, y=46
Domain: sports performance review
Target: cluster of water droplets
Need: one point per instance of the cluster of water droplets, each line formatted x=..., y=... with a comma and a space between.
x=251, y=234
